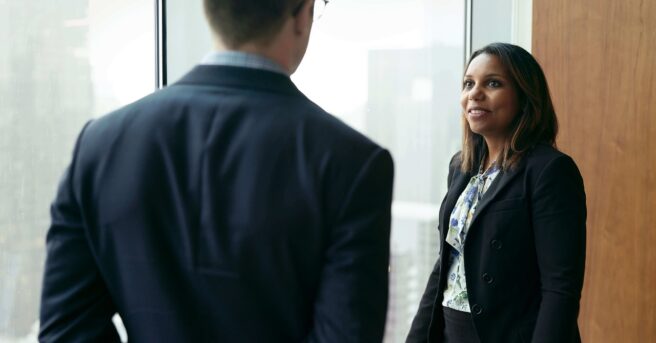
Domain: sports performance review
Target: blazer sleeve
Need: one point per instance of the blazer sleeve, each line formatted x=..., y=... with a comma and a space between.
x=351, y=302
x=419, y=330
x=559, y=222
x=75, y=304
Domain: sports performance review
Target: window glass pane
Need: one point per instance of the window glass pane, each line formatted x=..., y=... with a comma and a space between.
x=62, y=63
x=185, y=19
x=392, y=69
x=502, y=21
x=492, y=22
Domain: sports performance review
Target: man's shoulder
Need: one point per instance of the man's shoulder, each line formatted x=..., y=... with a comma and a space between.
x=333, y=128
x=276, y=114
x=113, y=119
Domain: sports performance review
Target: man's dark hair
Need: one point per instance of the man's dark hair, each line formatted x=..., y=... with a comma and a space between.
x=243, y=21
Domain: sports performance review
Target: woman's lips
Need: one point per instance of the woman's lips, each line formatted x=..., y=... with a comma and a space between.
x=477, y=113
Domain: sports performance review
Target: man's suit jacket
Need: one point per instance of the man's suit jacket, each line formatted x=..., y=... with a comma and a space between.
x=524, y=254
x=225, y=208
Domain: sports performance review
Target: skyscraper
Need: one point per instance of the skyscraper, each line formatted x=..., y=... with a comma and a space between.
x=45, y=97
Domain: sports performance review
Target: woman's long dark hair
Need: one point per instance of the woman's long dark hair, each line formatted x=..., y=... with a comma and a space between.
x=536, y=122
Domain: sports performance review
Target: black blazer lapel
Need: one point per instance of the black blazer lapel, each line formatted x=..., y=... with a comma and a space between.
x=500, y=182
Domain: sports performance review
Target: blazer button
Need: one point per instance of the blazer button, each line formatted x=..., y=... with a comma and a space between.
x=488, y=278
x=496, y=244
x=477, y=309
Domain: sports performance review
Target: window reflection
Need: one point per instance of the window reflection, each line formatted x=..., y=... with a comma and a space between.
x=62, y=62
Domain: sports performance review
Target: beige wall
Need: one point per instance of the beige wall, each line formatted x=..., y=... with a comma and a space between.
x=600, y=61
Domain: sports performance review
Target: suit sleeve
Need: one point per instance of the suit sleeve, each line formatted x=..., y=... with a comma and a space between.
x=351, y=302
x=420, y=324
x=75, y=304
x=559, y=223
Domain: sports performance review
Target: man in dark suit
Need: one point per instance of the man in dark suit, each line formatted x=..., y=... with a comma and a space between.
x=224, y=208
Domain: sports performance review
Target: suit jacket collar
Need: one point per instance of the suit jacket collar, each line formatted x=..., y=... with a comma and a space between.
x=239, y=77
x=242, y=59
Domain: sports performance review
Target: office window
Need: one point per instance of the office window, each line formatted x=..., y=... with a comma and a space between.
x=62, y=63
x=501, y=21
x=391, y=69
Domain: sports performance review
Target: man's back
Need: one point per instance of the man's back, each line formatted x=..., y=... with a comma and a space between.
x=226, y=208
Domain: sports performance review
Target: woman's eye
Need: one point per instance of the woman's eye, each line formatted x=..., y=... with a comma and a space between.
x=467, y=84
x=494, y=83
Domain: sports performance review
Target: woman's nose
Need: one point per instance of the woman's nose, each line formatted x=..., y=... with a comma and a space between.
x=475, y=93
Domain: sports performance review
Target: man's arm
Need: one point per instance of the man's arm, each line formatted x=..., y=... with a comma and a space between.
x=351, y=302
x=75, y=304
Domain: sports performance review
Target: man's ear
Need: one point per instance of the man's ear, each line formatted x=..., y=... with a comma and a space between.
x=303, y=20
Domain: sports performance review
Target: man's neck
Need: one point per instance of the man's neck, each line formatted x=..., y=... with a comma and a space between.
x=273, y=51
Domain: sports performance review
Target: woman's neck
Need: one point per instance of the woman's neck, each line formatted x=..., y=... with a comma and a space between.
x=494, y=149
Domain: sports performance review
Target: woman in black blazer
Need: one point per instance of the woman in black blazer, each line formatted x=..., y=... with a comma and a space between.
x=512, y=224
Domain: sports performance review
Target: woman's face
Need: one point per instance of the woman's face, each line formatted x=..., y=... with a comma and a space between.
x=489, y=98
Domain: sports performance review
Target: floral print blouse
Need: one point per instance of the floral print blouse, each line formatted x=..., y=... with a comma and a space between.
x=455, y=294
